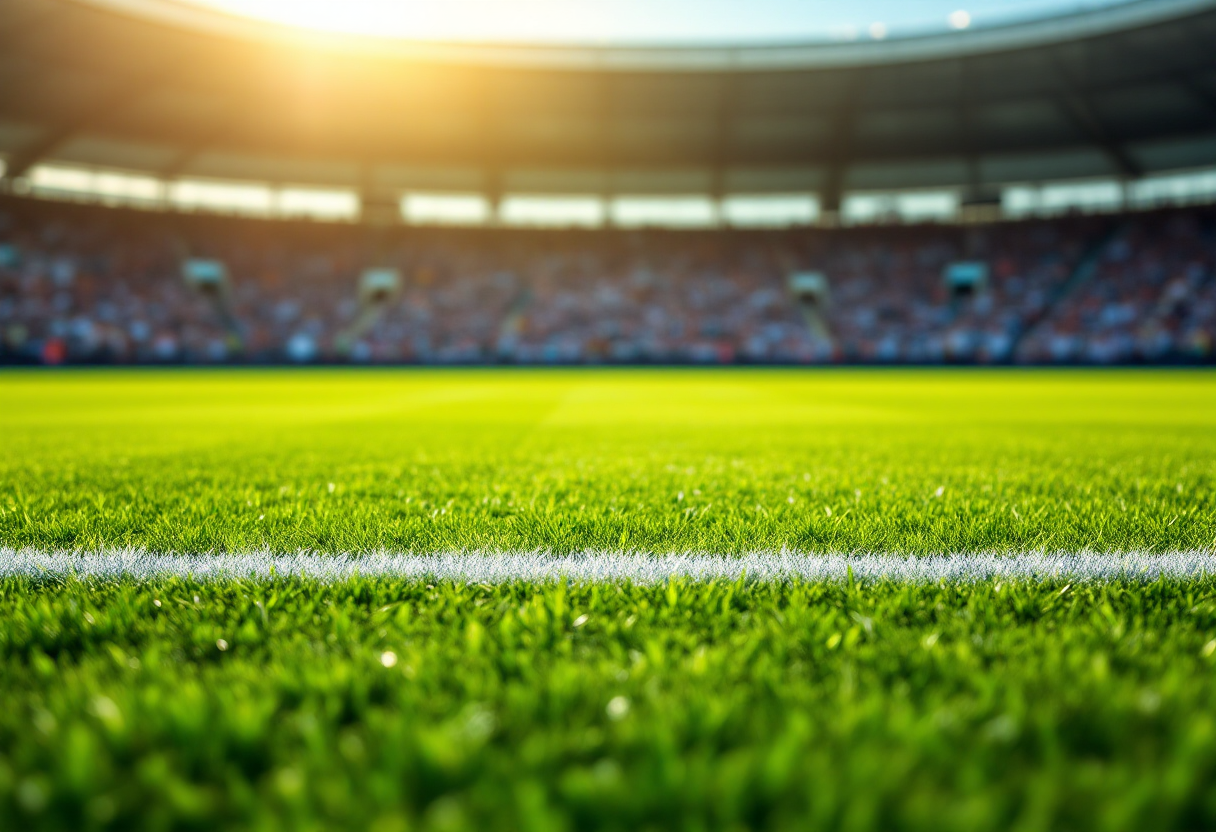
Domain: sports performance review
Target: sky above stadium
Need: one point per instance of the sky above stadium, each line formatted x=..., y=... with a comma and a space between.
x=644, y=21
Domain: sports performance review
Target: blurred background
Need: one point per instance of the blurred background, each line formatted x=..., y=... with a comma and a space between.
x=533, y=182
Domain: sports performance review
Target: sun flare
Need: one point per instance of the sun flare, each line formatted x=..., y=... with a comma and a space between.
x=458, y=20
x=634, y=21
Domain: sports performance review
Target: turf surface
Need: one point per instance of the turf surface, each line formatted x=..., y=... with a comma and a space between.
x=393, y=703
x=720, y=462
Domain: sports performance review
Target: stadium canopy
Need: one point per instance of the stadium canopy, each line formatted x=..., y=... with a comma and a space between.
x=179, y=91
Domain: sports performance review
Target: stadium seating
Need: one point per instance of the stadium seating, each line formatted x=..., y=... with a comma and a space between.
x=89, y=284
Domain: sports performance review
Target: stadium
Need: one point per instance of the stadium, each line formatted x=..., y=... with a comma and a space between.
x=536, y=415
x=1000, y=195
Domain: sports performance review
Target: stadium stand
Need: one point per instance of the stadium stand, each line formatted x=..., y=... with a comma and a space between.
x=89, y=284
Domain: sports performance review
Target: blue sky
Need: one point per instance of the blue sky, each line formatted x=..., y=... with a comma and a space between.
x=643, y=21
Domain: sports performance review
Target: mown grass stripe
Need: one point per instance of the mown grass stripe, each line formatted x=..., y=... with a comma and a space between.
x=503, y=567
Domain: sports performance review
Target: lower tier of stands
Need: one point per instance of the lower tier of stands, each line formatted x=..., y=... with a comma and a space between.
x=91, y=284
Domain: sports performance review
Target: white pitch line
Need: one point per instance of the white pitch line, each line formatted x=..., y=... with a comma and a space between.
x=502, y=567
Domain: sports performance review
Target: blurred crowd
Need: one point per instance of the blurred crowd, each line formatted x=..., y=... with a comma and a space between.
x=1148, y=295
x=91, y=284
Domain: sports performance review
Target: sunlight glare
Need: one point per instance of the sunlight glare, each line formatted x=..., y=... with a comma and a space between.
x=636, y=21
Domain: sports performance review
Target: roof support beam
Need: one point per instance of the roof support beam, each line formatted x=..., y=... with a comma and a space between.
x=59, y=134
x=840, y=145
x=1076, y=107
x=605, y=144
x=724, y=125
x=486, y=112
x=967, y=137
x=1083, y=118
x=182, y=159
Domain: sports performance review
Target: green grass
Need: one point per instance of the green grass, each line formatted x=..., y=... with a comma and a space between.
x=177, y=704
x=689, y=706
x=667, y=460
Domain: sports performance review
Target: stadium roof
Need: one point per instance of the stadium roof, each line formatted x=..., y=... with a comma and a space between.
x=641, y=22
x=177, y=91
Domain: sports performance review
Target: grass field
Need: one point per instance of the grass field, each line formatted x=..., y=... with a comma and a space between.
x=658, y=461
x=153, y=701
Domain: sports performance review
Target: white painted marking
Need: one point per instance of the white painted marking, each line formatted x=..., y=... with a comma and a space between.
x=501, y=567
